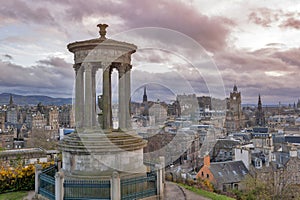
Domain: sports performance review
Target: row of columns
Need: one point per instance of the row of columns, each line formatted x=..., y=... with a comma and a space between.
x=85, y=95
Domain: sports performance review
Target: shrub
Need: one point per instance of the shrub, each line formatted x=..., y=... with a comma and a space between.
x=19, y=178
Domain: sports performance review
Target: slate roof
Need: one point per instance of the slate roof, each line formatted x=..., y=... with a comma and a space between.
x=228, y=172
x=226, y=143
x=260, y=130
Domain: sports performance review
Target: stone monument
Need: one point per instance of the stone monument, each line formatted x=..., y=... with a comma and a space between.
x=96, y=150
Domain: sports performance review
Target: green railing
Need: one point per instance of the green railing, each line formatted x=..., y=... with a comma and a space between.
x=86, y=189
x=139, y=187
x=151, y=165
x=47, y=183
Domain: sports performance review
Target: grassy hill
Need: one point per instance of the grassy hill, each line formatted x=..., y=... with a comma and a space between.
x=33, y=100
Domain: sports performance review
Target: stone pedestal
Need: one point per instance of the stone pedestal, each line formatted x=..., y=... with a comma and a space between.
x=95, y=153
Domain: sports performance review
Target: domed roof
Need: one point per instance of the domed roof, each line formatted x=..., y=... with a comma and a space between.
x=101, y=42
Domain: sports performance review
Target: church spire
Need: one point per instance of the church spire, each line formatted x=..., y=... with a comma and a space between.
x=145, y=99
x=11, y=102
x=259, y=105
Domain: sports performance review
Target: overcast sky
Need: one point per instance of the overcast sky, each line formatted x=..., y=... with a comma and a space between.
x=254, y=44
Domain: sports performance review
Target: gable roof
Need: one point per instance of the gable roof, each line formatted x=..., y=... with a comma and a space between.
x=228, y=172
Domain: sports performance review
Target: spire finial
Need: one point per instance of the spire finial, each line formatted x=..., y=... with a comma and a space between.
x=102, y=31
x=235, y=88
x=259, y=104
x=145, y=99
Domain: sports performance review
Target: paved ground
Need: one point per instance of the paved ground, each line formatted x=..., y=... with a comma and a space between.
x=29, y=196
x=175, y=192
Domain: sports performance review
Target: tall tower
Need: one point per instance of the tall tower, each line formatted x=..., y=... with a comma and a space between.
x=259, y=115
x=234, y=114
x=12, y=111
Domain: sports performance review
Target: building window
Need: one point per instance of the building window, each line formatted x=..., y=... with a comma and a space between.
x=236, y=186
x=224, y=188
x=202, y=174
x=207, y=175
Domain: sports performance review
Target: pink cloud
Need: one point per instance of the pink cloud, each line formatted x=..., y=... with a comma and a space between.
x=291, y=23
x=21, y=11
x=211, y=32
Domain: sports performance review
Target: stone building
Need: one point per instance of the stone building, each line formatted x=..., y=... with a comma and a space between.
x=54, y=118
x=234, y=116
x=38, y=121
x=159, y=111
x=223, y=150
x=12, y=112
x=224, y=175
x=7, y=139
x=15, y=157
x=174, y=109
x=66, y=117
x=188, y=105
x=2, y=121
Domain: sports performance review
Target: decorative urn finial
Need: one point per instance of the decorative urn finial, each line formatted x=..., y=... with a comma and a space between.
x=102, y=31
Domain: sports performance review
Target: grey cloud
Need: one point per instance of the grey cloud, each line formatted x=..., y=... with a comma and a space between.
x=250, y=71
x=38, y=78
x=8, y=56
x=20, y=10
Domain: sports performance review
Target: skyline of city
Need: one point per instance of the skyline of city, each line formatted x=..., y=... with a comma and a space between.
x=253, y=45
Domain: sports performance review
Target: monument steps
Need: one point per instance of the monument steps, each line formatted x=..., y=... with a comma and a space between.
x=103, y=142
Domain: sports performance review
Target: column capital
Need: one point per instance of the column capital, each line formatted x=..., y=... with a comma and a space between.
x=105, y=65
x=128, y=67
x=94, y=69
x=121, y=68
x=76, y=67
x=87, y=66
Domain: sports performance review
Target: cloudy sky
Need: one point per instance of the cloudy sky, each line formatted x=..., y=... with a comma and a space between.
x=254, y=44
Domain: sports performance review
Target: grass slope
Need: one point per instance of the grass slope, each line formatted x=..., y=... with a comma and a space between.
x=13, y=195
x=211, y=195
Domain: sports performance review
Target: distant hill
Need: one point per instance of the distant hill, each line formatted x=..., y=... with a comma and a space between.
x=33, y=100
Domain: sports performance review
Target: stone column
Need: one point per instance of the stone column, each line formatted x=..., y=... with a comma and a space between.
x=122, y=97
x=79, y=97
x=94, y=120
x=159, y=182
x=115, y=190
x=107, y=117
x=128, y=96
x=38, y=170
x=162, y=163
x=88, y=96
x=59, y=186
